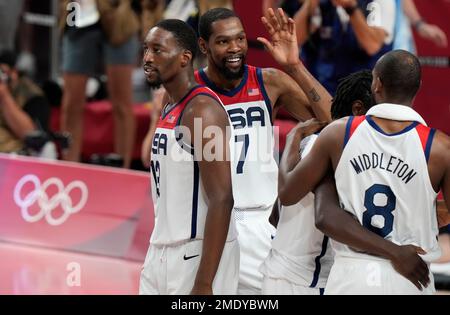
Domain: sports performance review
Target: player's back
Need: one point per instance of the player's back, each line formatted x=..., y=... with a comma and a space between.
x=383, y=180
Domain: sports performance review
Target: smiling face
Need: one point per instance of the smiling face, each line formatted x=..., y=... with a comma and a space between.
x=227, y=47
x=161, y=60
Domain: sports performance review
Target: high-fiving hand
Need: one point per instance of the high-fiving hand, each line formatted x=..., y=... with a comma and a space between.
x=283, y=44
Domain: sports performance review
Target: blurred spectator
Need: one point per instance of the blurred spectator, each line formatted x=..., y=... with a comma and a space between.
x=23, y=106
x=410, y=16
x=343, y=36
x=9, y=19
x=96, y=32
x=151, y=13
x=289, y=6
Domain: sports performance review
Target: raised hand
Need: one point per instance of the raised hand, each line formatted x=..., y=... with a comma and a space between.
x=283, y=44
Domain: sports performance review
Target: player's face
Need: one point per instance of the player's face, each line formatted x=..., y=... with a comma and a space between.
x=227, y=47
x=161, y=52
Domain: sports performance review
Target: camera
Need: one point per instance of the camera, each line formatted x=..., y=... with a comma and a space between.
x=4, y=77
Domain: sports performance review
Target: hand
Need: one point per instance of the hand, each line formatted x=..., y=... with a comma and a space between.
x=200, y=289
x=433, y=33
x=283, y=45
x=409, y=264
x=307, y=128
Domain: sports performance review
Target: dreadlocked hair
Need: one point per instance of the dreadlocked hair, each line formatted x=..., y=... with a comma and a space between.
x=356, y=86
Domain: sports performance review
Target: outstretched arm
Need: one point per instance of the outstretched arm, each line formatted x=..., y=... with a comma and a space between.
x=330, y=219
x=284, y=49
x=296, y=176
x=428, y=31
x=215, y=175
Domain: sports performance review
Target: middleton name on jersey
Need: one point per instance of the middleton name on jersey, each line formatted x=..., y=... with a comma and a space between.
x=388, y=163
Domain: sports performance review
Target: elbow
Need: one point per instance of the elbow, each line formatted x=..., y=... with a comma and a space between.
x=373, y=48
x=224, y=201
x=321, y=223
x=286, y=198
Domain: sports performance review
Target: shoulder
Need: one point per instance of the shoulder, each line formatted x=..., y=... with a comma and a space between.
x=280, y=80
x=206, y=107
x=441, y=146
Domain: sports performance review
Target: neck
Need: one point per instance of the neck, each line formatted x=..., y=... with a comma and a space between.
x=214, y=75
x=180, y=86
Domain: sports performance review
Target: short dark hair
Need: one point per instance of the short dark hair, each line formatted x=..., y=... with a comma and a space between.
x=9, y=58
x=211, y=16
x=183, y=33
x=400, y=73
x=354, y=87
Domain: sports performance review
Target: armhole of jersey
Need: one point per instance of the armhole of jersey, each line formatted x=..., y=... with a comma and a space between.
x=259, y=77
x=352, y=123
x=426, y=136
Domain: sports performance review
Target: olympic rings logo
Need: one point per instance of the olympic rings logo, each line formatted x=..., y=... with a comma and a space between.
x=48, y=205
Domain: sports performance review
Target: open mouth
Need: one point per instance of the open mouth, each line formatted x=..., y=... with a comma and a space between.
x=234, y=61
x=149, y=70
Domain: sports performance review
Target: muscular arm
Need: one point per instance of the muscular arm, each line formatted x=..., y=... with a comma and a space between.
x=216, y=181
x=296, y=179
x=330, y=219
x=301, y=19
x=156, y=113
x=370, y=38
x=283, y=91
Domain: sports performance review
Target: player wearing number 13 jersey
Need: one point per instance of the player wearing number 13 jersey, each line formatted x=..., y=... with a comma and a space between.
x=389, y=167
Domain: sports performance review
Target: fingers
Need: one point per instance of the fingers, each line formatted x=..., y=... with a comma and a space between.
x=273, y=20
x=268, y=26
x=419, y=250
x=265, y=42
x=284, y=19
x=291, y=27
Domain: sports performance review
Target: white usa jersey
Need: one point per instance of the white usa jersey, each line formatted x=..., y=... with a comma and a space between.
x=178, y=195
x=382, y=179
x=300, y=253
x=255, y=171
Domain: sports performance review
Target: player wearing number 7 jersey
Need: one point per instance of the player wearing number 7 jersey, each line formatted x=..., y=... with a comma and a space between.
x=388, y=167
x=251, y=97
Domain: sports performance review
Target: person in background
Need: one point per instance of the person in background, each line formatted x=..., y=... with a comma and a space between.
x=96, y=33
x=339, y=37
x=410, y=16
x=23, y=106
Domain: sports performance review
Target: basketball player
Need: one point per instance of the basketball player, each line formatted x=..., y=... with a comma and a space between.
x=388, y=168
x=301, y=258
x=252, y=96
x=193, y=245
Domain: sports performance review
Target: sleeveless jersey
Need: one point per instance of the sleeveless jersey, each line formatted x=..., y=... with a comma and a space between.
x=300, y=253
x=254, y=169
x=177, y=191
x=382, y=179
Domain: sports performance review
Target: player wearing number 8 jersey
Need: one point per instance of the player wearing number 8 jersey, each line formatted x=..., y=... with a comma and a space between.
x=252, y=96
x=389, y=167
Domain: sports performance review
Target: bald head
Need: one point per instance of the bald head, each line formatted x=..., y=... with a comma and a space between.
x=397, y=77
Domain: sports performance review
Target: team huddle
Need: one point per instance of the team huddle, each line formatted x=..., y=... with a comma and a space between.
x=349, y=209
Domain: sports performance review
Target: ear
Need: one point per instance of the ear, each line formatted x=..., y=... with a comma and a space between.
x=203, y=45
x=358, y=108
x=378, y=85
x=186, y=58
